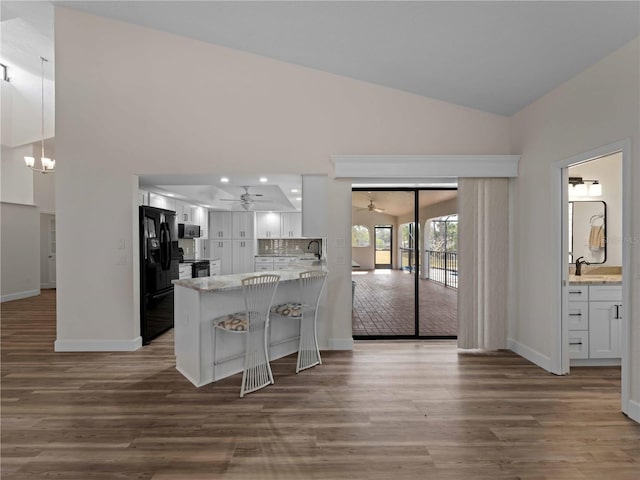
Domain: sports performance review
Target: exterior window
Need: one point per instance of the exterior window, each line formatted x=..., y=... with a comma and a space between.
x=360, y=236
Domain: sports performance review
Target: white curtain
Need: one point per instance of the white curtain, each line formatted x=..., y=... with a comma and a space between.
x=483, y=254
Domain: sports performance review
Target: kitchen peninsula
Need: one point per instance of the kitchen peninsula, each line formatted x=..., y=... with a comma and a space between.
x=199, y=300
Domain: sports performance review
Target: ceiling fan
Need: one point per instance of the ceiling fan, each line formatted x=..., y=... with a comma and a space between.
x=372, y=208
x=246, y=199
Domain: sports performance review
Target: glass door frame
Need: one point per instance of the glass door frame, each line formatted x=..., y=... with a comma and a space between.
x=417, y=260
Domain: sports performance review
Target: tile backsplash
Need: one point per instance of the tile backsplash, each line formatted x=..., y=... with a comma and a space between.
x=189, y=247
x=287, y=246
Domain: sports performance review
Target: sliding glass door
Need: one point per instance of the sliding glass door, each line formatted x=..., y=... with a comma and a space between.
x=405, y=263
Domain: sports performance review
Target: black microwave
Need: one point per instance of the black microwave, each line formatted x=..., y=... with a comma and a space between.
x=188, y=231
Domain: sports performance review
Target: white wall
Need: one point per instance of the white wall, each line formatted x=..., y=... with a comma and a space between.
x=365, y=256
x=595, y=108
x=20, y=247
x=220, y=111
x=608, y=170
x=16, y=179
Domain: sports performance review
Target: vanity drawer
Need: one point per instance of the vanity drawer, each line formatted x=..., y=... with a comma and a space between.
x=578, y=292
x=578, y=316
x=264, y=260
x=579, y=344
x=605, y=293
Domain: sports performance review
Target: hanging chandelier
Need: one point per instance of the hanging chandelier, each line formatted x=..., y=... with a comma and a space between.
x=48, y=164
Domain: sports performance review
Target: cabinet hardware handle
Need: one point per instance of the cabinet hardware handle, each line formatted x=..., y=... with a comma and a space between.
x=575, y=314
x=575, y=343
x=617, y=312
x=573, y=292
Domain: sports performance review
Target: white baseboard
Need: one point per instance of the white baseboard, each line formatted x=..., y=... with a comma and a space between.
x=340, y=343
x=530, y=354
x=595, y=362
x=634, y=411
x=19, y=295
x=98, y=345
x=188, y=377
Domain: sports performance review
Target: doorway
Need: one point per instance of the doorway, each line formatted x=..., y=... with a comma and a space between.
x=392, y=296
x=383, y=246
x=576, y=342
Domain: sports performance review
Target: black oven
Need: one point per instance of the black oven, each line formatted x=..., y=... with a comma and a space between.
x=200, y=269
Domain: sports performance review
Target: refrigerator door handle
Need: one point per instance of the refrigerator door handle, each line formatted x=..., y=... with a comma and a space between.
x=160, y=295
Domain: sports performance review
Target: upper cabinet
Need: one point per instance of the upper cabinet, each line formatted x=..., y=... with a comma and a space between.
x=220, y=225
x=201, y=217
x=291, y=225
x=268, y=225
x=160, y=201
x=242, y=225
x=185, y=212
x=143, y=197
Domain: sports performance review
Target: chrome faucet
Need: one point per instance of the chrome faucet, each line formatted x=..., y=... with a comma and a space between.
x=318, y=254
x=579, y=263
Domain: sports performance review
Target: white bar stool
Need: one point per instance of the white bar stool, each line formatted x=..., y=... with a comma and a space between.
x=312, y=283
x=258, y=293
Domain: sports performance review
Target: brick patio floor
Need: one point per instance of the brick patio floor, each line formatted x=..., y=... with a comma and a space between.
x=384, y=305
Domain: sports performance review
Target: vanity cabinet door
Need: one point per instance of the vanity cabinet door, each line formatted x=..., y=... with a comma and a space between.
x=605, y=320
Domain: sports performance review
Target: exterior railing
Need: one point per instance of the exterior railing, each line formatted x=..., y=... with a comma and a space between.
x=442, y=267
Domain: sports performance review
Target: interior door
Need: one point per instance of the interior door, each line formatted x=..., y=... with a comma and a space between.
x=47, y=250
x=383, y=238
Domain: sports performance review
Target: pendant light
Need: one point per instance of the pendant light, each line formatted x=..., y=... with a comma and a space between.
x=48, y=164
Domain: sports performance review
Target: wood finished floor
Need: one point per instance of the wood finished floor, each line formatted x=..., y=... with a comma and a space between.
x=390, y=410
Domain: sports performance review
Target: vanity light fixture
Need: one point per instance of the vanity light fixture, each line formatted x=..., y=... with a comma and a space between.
x=579, y=187
x=48, y=164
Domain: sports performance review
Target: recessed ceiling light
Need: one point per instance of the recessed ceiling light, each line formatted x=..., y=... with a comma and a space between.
x=171, y=195
x=294, y=190
x=298, y=198
x=224, y=180
x=264, y=179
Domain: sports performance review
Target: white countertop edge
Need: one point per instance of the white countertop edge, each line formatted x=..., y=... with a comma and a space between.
x=233, y=281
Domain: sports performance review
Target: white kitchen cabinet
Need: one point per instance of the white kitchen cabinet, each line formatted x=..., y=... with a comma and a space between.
x=242, y=225
x=291, y=225
x=215, y=267
x=263, y=264
x=185, y=212
x=201, y=218
x=185, y=271
x=268, y=225
x=160, y=201
x=143, y=197
x=605, y=320
x=220, y=225
x=222, y=249
x=242, y=256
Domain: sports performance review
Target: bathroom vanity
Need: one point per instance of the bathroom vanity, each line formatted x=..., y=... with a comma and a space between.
x=595, y=319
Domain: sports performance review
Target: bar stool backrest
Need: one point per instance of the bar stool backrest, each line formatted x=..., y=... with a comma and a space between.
x=258, y=293
x=312, y=283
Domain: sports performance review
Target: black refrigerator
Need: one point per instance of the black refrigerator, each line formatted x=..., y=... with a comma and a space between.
x=159, y=259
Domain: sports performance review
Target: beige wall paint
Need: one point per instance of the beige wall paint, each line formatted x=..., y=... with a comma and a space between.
x=16, y=179
x=219, y=111
x=597, y=107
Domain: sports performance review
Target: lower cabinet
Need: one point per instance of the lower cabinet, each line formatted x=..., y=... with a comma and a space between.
x=595, y=321
x=215, y=267
x=223, y=250
x=605, y=320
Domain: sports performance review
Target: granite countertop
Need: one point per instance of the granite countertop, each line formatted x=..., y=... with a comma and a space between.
x=595, y=279
x=233, y=281
x=277, y=255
